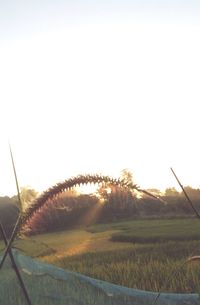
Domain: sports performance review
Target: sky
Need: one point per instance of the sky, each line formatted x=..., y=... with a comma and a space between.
x=99, y=86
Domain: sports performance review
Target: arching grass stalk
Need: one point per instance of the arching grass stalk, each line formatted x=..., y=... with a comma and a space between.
x=59, y=188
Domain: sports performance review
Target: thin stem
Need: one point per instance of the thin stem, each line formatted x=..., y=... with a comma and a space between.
x=16, y=180
x=17, y=225
x=186, y=195
x=198, y=216
x=14, y=265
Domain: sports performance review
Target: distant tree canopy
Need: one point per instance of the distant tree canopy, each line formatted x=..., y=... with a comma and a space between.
x=8, y=213
x=10, y=208
x=110, y=203
x=155, y=191
x=117, y=197
x=127, y=176
x=194, y=194
x=171, y=192
x=27, y=196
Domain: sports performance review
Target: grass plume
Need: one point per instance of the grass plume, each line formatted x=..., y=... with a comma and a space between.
x=59, y=188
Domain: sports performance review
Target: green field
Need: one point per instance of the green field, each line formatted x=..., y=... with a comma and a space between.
x=144, y=254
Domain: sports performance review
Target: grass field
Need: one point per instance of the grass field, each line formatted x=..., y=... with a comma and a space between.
x=144, y=254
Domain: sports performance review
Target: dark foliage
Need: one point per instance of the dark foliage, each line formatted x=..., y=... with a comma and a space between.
x=8, y=214
x=63, y=212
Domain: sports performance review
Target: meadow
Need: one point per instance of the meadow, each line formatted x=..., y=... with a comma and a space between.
x=143, y=254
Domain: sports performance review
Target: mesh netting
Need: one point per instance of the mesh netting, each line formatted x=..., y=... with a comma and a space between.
x=47, y=284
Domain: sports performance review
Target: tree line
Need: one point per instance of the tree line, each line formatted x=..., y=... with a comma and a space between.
x=108, y=204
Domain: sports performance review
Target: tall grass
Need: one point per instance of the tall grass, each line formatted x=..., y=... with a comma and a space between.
x=144, y=266
x=59, y=188
x=140, y=265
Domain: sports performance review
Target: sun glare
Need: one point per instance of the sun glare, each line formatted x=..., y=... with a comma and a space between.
x=100, y=96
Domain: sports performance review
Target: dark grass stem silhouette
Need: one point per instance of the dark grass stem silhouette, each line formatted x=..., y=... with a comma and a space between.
x=14, y=265
x=186, y=195
x=8, y=244
x=190, y=259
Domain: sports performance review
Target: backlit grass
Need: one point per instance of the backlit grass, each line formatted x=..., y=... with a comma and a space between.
x=144, y=254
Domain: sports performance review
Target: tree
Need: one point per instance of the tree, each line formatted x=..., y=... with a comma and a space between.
x=117, y=198
x=155, y=192
x=127, y=176
x=8, y=214
x=27, y=196
x=194, y=194
x=171, y=192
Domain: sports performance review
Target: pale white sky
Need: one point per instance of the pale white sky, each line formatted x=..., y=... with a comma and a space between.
x=95, y=87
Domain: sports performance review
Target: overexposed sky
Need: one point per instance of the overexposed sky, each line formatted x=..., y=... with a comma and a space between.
x=98, y=86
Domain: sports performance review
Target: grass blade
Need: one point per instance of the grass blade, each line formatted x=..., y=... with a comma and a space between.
x=186, y=195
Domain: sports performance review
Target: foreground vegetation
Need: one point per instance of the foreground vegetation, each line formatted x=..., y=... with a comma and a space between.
x=102, y=251
x=110, y=203
x=149, y=267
